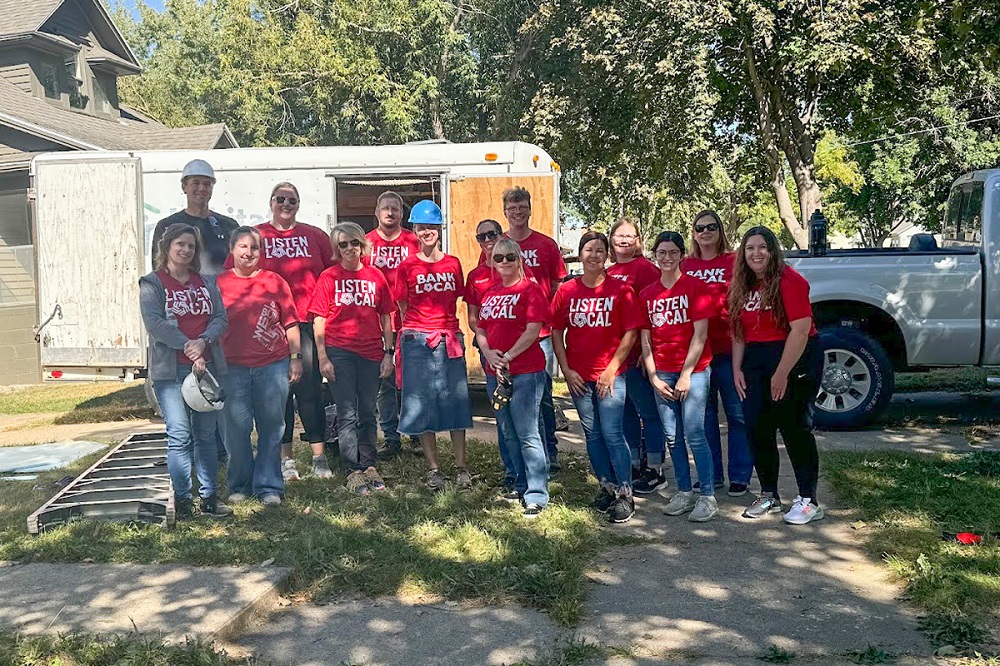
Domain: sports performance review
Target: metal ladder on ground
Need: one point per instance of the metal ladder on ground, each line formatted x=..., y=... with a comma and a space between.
x=130, y=483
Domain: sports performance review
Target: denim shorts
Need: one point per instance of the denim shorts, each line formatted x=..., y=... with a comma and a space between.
x=435, y=391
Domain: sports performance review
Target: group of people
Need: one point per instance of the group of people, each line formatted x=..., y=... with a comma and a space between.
x=648, y=351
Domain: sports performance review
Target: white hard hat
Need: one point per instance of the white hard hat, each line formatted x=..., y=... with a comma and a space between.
x=198, y=168
x=203, y=394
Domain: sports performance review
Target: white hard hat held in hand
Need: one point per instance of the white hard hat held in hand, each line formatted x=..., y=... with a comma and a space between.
x=203, y=394
x=198, y=168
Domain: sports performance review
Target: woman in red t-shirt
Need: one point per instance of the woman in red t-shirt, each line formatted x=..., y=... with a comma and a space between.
x=352, y=309
x=435, y=387
x=711, y=262
x=511, y=315
x=777, y=362
x=595, y=322
x=262, y=352
x=676, y=355
x=643, y=429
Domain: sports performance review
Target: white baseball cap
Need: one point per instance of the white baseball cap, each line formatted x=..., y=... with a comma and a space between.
x=198, y=168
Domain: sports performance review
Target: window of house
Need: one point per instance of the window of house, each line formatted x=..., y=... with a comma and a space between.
x=103, y=98
x=50, y=79
x=75, y=82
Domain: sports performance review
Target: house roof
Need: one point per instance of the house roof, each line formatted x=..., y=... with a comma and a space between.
x=72, y=129
x=20, y=16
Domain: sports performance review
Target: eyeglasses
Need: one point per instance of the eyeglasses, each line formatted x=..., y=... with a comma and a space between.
x=711, y=226
x=354, y=242
x=517, y=209
x=291, y=200
x=624, y=237
x=673, y=254
x=487, y=236
x=510, y=258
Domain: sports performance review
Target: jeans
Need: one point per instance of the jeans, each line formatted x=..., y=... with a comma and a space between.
x=518, y=423
x=684, y=421
x=602, y=427
x=387, y=405
x=190, y=438
x=510, y=473
x=355, y=392
x=547, y=411
x=722, y=384
x=642, y=420
x=792, y=415
x=308, y=393
x=255, y=396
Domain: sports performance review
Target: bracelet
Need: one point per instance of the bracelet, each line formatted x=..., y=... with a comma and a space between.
x=390, y=350
x=297, y=356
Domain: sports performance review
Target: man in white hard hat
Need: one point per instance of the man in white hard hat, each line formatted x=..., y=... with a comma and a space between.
x=197, y=183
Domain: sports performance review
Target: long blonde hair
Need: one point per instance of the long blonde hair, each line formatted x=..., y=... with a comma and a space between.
x=506, y=246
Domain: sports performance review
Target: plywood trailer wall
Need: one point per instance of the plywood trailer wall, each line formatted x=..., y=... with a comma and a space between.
x=476, y=199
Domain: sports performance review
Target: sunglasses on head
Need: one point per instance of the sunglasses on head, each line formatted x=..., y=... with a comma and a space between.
x=510, y=258
x=354, y=242
x=291, y=200
x=711, y=226
x=487, y=236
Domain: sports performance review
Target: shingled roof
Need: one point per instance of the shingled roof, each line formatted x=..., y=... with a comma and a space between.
x=20, y=16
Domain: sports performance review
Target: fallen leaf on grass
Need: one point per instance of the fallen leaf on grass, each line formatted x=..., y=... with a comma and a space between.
x=268, y=562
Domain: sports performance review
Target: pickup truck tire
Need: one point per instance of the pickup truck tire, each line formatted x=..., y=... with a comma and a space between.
x=857, y=380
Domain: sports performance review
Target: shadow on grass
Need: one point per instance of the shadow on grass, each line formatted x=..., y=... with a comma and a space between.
x=404, y=541
x=908, y=502
x=126, y=403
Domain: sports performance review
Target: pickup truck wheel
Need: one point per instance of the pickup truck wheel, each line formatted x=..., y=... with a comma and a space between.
x=857, y=380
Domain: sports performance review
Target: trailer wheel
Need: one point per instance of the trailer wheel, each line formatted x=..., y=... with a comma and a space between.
x=147, y=387
x=857, y=381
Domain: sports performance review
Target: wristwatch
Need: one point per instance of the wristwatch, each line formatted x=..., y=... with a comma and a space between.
x=207, y=339
x=390, y=350
x=297, y=356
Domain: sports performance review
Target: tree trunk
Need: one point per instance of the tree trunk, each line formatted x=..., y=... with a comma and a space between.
x=437, y=124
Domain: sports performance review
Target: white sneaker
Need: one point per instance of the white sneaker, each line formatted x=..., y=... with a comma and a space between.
x=270, y=500
x=704, y=509
x=803, y=511
x=680, y=503
x=288, y=471
x=237, y=497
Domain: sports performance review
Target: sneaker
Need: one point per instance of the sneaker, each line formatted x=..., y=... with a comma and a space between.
x=532, y=511
x=623, y=507
x=213, y=506
x=511, y=497
x=463, y=479
x=554, y=467
x=374, y=479
x=737, y=489
x=765, y=504
x=415, y=446
x=605, y=498
x=238, y=497
x=803, y=511
x=389, y=451
x=717, y=485
x=183, y=507
x=704, y=509
x=288, y=471
x=680, y=503
x=271, y=500
x=435, y=480
x=321, y=469
x=649, y=480
x=357, y=483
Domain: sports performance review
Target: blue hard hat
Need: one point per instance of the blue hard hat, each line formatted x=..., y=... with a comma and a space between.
x=426, y=212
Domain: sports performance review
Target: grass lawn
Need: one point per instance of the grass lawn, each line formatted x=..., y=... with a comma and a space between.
x=906, y=502
x=462, y=546
x=945, y=379
x=78, y=402
x=71, y=649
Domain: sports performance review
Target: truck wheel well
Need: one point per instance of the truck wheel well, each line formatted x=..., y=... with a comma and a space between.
x=868, y=318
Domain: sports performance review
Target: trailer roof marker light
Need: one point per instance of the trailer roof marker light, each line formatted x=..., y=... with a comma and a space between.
x=534, y=160
x=555, y=166
x=491, y=157
x=56, y=374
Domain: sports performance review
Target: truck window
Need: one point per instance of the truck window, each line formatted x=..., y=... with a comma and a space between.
x=964, y=217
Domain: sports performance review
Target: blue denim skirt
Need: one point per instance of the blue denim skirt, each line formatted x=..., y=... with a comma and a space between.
x=435, y=389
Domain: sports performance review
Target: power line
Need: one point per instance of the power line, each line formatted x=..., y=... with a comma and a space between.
x=924, y=131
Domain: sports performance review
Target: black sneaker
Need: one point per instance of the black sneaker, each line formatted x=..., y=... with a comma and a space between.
x=717, y=485
x=389, y=451
x=213, y=506
x=511, y=497
x=554, y=466
x=603, y=501
x=623, y=508
x=532, y=511
x=636, y=473
x=183, y=507
x=415, y=446
x=649, y=480
x=737, y=489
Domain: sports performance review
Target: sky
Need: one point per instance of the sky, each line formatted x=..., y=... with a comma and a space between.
x=131, y=4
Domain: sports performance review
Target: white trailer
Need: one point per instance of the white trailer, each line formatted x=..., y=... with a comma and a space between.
x=94, y=214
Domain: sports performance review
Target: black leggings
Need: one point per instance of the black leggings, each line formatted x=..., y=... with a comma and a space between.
x=307, y=393
x=792, y=415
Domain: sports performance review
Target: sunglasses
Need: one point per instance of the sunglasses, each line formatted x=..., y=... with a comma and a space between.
x=510, y=258
x=354, y=242
x=487, y=236
x=711, y=226
x=291, y=200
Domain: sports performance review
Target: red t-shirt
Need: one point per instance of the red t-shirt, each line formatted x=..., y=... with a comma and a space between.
x=478, y=282
x=352, y=303
x=431, y=292
x=259, y=309
x=298, y=255
x=190, y=305
x=759, y=325
x=638, y=274
x=388, y=255
x=505, y=313
x=715, y=274
x=595, y=320
x=670, y=317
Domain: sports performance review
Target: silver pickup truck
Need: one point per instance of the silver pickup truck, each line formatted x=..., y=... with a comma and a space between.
x=887, y=310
